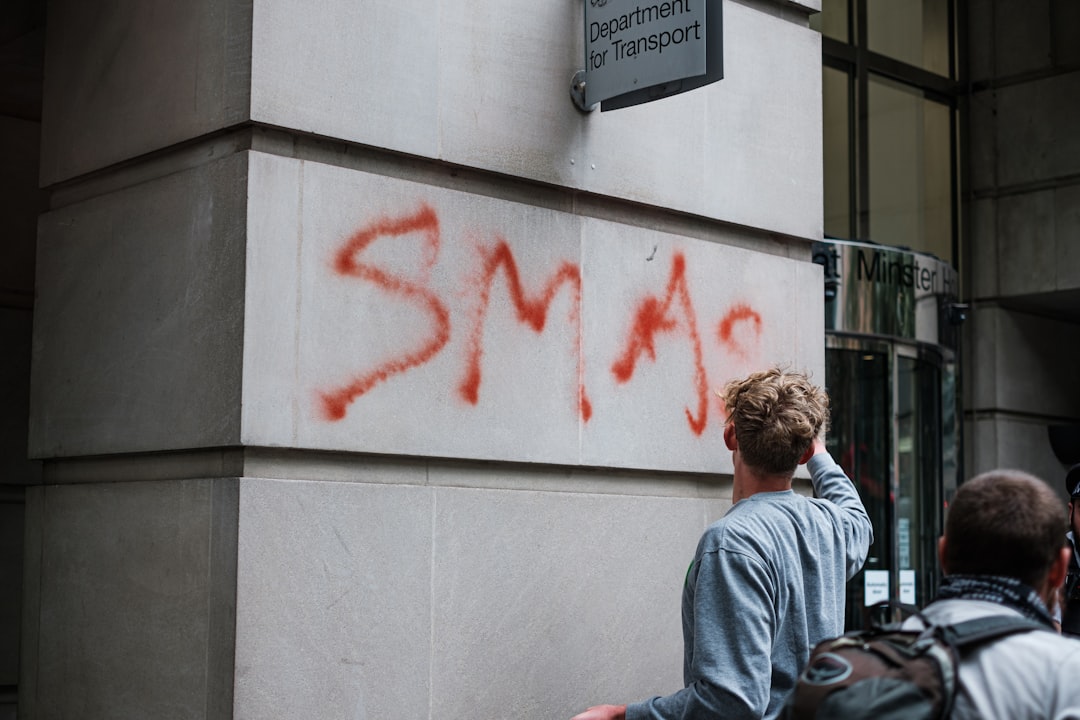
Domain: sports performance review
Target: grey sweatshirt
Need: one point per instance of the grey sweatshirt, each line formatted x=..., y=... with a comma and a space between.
x=767, y=583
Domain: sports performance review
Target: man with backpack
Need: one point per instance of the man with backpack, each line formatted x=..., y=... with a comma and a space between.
x=768, y=579
x=1004, y=558
x=1070, y=596
x=1003, y=553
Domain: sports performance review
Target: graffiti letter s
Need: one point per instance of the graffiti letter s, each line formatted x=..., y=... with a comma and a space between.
x=335, y=402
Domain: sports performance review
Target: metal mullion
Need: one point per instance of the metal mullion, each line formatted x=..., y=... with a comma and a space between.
x=861, y=129
x=952, y=40
x=837, y=52
x=961, y=152
x=853, y=160
x=916, y=77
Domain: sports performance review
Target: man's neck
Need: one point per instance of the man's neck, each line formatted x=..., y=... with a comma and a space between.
x=750, y=482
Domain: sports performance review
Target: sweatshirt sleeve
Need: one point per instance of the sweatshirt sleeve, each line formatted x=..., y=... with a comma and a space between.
x=832, y=484
x=732, y=643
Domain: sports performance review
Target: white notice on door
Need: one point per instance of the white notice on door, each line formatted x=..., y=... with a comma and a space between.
x=907, y=586
x=876, y=585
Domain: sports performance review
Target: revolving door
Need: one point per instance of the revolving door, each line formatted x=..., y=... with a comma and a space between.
x=891, y=372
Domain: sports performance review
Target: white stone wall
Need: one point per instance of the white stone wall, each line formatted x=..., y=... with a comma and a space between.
x=138, y=325
x=479, y=84
x=395, y=317
x=486, y=84
x=409, y=591
x=425, y=353
x=127, y=77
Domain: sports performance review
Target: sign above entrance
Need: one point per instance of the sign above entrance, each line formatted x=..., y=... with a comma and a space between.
x=638, y=51
x=891, y=292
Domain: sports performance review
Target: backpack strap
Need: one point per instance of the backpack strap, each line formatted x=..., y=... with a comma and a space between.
x=967, y=634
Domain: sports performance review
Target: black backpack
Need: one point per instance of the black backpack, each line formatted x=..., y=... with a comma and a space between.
x=887, y=673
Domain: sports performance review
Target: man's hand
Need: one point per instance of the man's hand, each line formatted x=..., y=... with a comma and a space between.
x=819, y=446
x=603, y=712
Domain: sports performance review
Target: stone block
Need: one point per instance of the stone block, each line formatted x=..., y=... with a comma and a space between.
x=758, y=147
x=980, y=334
x=982, y=143
x=809, y=321
x=457, y=592
x=393, y=317
x=334, y=599
x=30, y=629
x=1001, y=441
x=11, y=568
x=504, y=71
x=980, y=39
x=544, y=593
x=1026, y=254
x=1067, y=237
x=367, y=72
x=131, y=76
x=1035, y=353
x=1063, y=116
x=984, y=267
x=1045, y=113
x=139, y=317
x=1065, y=32
x=271, y=296
x=486, y=85
x=653, y=385
x=136, y=588
x=16, y=327
x=20, y=204
x=1021, y=36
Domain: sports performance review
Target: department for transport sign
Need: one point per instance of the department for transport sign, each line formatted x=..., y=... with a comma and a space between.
x=642, y=50
x=632, y=45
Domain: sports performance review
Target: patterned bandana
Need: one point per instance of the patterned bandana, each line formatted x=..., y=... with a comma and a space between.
x=997, y=589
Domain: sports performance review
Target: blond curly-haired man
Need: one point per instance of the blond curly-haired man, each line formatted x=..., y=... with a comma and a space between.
x=768, y=579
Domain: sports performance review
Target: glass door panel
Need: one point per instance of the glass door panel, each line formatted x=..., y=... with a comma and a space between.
x=918, y=478
x=859, y=388
x=890, y=433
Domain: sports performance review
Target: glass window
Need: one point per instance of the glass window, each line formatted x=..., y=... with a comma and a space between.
x=836, y=130
x=832, y=21
x=914, y=31
x=910, y=172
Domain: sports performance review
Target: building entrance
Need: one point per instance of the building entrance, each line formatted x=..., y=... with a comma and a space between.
x=891, y=370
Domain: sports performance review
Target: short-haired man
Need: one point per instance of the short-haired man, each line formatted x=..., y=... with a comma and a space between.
x=1003, y=553
x=1070, y=596
x=768, y=579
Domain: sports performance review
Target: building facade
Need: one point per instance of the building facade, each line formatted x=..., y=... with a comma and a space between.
x=370, y=376
x=353, y=370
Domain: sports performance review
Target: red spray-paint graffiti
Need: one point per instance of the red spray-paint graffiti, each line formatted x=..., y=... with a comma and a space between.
x=426, y=222
x=673, y=314
x=652, y=318
x=530, y=310
x=726, y=330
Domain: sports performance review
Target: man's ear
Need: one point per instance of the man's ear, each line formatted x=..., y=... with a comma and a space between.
x=941, y=555
x=1059, y=568
x=729, y=437
x=807, y=455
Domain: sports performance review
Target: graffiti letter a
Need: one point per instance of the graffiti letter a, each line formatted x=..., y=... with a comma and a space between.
x=653, y=317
